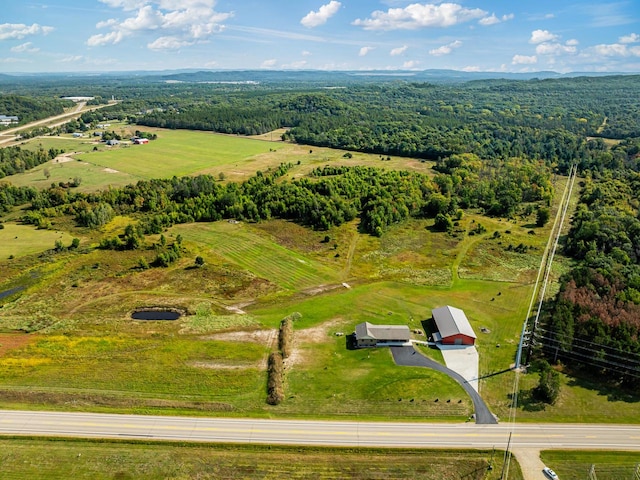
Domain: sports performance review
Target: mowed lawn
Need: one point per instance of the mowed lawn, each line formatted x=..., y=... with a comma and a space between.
x=20, y=240
x=253, y=250
x=179, y=153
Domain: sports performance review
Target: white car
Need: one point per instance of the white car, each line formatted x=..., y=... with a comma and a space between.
x=550, y=473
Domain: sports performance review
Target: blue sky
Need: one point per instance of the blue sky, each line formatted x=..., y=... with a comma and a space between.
x=471, y=35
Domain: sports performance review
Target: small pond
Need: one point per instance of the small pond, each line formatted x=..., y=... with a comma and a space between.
x=11, y=291
x=155, y=315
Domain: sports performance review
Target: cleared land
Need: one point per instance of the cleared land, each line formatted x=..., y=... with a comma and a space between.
x=21, y=240
x=62, y=459
x=183, y=152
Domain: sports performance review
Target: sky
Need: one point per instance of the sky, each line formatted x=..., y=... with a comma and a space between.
x=474, y=35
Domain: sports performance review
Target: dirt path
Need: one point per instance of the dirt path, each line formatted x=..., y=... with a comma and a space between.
x=352, y=249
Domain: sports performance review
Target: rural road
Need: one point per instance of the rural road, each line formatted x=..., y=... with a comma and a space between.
x=12, y=134
x=409, y=357
x=301, y=432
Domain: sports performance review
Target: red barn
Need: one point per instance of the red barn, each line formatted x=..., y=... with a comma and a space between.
x=453, y=327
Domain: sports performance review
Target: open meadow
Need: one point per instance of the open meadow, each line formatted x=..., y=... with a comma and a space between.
x=183, y=152
x=68, y=342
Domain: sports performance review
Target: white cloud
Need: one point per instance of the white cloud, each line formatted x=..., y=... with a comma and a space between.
x=314, y=19
x=572, y=42
x=178, y=22
x=418, y=15
x=445, y=49
x=540, y=36
x=126, y=5
x=524, y=60
x=631, y=38
x=364, y=51
x=20, y=30
x=269, y=63
x=611, y=50
x=492, y=19
x=410, y=64
x=104, y=39
x=305, y=53
x=398, y=51
x=168, y=43
x=471, y=68
x=25, y=48
x=555, y=49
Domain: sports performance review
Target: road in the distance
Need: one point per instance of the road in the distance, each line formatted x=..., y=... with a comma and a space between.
x=12, y=134
x=301, y=432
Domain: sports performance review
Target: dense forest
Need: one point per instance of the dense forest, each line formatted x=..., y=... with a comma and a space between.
x=550, y=120
x=15, y=160
x=495, y=143
x=329, y=196
x=594, y=321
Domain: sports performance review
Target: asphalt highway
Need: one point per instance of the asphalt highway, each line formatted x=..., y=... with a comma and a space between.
x=337, y=433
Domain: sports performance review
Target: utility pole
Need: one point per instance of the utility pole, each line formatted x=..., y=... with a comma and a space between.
x=507, y=459
x=490, y=467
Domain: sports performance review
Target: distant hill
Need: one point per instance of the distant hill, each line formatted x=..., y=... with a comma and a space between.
x=309, y=77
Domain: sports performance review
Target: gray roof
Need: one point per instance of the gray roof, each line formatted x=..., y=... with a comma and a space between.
x=452, y=321
x=382, y=332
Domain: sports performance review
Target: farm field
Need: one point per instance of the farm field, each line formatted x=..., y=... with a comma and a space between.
x=21, y=240
x=61, y=459
x=183, y=152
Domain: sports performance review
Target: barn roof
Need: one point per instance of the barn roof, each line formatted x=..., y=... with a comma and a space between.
x=452, y=321
x=382, y=332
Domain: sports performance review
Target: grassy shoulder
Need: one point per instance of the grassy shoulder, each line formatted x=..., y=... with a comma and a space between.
x=575, y=465
x=60, y=459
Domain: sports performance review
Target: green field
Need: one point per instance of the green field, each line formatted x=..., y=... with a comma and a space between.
x=573, y=465
x=98, y=460
x=182, y=152
x=20, y=240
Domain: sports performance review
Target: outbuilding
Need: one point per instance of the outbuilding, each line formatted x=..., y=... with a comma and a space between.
x=453, y=327
x=370, y=335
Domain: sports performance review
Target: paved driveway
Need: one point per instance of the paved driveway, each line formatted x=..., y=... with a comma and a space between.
x=409, y=357
x=462, y=359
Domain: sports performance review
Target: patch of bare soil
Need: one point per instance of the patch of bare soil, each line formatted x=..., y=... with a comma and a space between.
x=110, y=170
x=226, y=366
x=323, y=288
x=266, y=337
x=11, y=341
x=317, y=334
x=65, y=158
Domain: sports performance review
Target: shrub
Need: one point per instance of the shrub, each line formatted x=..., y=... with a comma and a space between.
x=275, y=382
x=285, y=335
x=548, y=389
